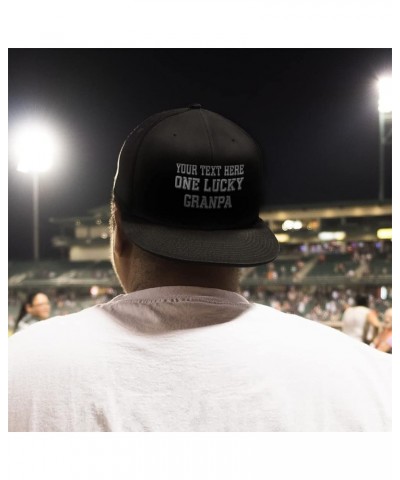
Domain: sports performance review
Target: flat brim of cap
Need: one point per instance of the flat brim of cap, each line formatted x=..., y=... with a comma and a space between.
x=245, y=247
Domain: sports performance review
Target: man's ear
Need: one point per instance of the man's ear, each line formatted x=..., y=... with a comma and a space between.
x=122, y=245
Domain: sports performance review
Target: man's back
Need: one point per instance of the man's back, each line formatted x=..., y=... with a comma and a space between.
x=193, y=359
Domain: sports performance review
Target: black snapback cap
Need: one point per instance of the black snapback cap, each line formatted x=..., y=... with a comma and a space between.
x=188, y=186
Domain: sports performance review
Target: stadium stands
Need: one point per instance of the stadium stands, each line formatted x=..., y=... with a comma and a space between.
x=318, y=284
x=62, y=273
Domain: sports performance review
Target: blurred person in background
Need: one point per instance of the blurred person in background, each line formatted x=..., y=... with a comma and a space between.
x=35, y=308
x=383, y=341
x=358, y=320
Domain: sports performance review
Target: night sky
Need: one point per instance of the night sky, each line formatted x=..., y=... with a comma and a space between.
x=313, y=111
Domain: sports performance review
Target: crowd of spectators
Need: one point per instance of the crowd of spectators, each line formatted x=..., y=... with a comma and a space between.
x=351, y=259
x=320, y=303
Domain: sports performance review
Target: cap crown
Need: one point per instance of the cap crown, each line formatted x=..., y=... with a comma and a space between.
x=189, y=168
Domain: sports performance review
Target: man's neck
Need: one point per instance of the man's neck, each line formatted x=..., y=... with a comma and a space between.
x=222, y=280
x=146, y=285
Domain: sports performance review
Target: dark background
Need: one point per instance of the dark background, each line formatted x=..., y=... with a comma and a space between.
x=314, y=112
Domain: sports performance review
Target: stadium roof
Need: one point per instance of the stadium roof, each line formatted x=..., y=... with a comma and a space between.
x=331, y=210
x=284, y=212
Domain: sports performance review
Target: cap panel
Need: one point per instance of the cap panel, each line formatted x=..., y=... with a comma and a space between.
x=127, y=159
x=237, y=149
x=167, y=167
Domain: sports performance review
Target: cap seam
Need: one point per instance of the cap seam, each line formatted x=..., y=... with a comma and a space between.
x=209, y=135
x=129, y=218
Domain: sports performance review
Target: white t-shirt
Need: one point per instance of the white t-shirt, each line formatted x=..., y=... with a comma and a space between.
x=354, y=319
x=193, y=359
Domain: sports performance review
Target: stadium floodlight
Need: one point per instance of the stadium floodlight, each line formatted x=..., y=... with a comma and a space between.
x=292, y=225
x=385, y=94
x=34, y=146
x=384, y=234
x=329, y=236
x=282, y=237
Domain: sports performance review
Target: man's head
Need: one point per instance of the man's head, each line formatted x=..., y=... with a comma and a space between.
x=362, y=300
x=187, y=194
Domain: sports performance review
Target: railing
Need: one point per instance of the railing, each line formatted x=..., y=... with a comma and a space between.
x=320, y=280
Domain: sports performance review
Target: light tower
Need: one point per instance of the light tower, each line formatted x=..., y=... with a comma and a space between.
x=34, y=146
x=385, y=127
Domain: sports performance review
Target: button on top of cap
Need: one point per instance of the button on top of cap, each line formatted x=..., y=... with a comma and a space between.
x=195, y=105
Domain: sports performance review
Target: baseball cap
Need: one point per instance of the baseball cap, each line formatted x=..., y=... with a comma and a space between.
x=188, y=187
